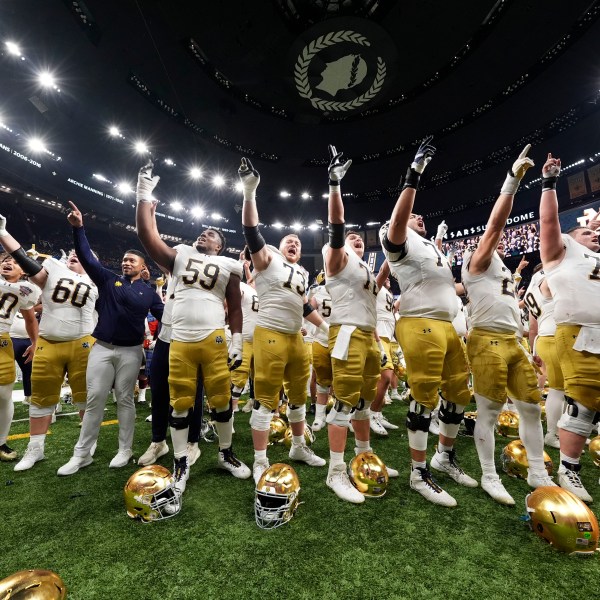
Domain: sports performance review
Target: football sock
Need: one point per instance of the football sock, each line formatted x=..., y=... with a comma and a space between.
x=487, y=414
x=532, y=434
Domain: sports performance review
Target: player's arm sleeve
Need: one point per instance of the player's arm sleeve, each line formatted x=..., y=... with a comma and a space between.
x=394, y=252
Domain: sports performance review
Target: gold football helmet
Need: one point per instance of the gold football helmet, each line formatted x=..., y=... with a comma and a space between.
x=368, y=474
x=320, y=278
x=277, y=496
x=508, y=424
x=594, y=449
x=330, y=403
x=34, y=584
x=149, y=494
x=469, y=420
x=309, y=436
x=514, y=460
x=277, y=430
x=563, y=520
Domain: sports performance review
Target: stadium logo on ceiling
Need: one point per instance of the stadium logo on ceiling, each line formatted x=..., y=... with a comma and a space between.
x=339, y=71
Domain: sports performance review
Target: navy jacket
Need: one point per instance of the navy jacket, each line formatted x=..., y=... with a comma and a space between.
x=122, y=304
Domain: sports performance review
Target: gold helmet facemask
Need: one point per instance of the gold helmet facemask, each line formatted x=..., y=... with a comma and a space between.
x=34, y=583
x=563, y=520
x=368, y=474
x=277, y=496
x=150, y=494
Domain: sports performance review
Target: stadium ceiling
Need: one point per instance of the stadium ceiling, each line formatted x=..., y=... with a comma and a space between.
x=204, y=83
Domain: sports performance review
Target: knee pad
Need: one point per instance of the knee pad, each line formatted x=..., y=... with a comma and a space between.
x=222, y=415
x=236, y=392
x=261, y=417
x=450, y=413
x=577, y=418
x=41, y=411
x=179, y=420
x=296, y=414
x=418, y=417
x=339, y=414
x=322, y=389
x=361, y=411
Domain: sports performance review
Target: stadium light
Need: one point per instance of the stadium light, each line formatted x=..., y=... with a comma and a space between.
x=13, y=48
x=195, y=173
x=239, y=186
x=36, y=145
x=278, y=225
x=218, y=181
x=176, y=205
x=124, y=188
x=114, y=131
x=197, y=211
x=296, y=226
x=314, y=227
x=216, y=216
x=141, y=147
x=305, y=196
x=284, y=194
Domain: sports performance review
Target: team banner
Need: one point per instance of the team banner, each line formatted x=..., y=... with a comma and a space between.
x=577, y=185
x=594, y=177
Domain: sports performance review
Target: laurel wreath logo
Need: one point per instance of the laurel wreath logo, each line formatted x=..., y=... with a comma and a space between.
x=322, y=42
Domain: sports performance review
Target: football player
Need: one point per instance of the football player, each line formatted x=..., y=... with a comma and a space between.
x=542, y=328
x=64, y=344
x=15, y=296
x=433, y=353
x=204, y=280
x=572, y=268
x=499, y=363
x=280, y=357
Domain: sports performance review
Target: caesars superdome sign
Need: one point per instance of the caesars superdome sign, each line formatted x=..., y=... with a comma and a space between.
x=343, y=64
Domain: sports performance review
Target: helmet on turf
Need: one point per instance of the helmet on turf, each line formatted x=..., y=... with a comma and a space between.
x=36, y=584
x=277, y=496
x=508, y=424
x=594, y=449
x=368, y=474
x=330, y=403
x=309, y=436
x=514, y=460
x=469, y=420
x=563, y=520
x=277, y=430
x=150, y=495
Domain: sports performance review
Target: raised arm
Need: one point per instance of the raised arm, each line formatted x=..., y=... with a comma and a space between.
x=384, y=273
x=336, y=258
x=439, y=236
x=261, y=255
x=36, y=273
x=552, y=248
x=396, y=233
x=145, y=220
x=482, y=257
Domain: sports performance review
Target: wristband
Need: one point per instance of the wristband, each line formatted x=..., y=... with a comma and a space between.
x=549, y=183
x=412, y=179
x=28, y=264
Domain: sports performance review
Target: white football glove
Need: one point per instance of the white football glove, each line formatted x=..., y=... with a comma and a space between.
x=337, y=166
x=235, y=352
x=3, y=231
x=441, y=231
x=424, y=155
x=250, y=179
x=146, y=184
x=517, y=172
x=383, y=355
x=63, y=256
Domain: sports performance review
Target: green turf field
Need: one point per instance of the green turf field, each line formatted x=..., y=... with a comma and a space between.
x=399, y=546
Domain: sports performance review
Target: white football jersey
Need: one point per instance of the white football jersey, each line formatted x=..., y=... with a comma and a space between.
x=353, y=293
x=249, y=311
x=323, y=300
x=14, y=297
x=202, y=279
x=386, y=321
x=68, y=301
x=492, y=295
x=575, y=285
x=425, y=278
x=460, y=320
x=166, y=321
x=281, y=288
x=539, y=306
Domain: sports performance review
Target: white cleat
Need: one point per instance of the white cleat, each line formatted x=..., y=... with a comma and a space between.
x=536, y=481
x=339, y=482
x=154, y=452
x=229, y=462
x=568, y=478
x=392, y=473
x=493, y=486
x=445, y=462
x=258, y=468
x=304, y=454
x=376, y=426
x=193, y=453
x=386, y=423
x=74, y=464
x=121, y=458
x=395, y=396
x=33, y=454
x=318, y=424
x=551, y=440
x=422, y=482
x=387, y=400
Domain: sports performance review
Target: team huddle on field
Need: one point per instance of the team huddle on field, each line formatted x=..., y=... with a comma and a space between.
x=217, y=331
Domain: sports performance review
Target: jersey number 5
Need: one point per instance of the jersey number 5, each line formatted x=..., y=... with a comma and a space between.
x=210, y=272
